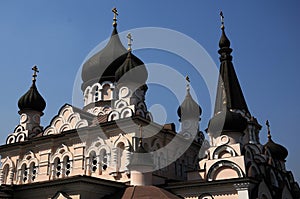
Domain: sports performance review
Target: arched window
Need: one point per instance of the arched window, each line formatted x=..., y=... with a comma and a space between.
x=67, y=166
x=24, y=173
x=93, y=161
x=32, y=171
x=57, y=168
x=103, y=159
x=5, y=174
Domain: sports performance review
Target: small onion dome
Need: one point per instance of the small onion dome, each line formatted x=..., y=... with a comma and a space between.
x=132, y=70
x=224, y=41
x=141, y=157
x=103, y=64
x=189, y=109
x=227, y=121
x=32, y=100
x=277, y=151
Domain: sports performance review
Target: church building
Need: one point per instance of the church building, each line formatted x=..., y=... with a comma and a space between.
x=111, y=148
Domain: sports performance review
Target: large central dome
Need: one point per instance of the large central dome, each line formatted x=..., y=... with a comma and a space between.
x=103, y=65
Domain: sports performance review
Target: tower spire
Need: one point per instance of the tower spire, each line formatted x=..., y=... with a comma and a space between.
x=229, y=92
x=230, y=101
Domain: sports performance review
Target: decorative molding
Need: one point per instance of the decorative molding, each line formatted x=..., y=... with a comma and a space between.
x=19, y=135
x=67, y=119
x=241, y=186
x=129, y=103
x=213, y=170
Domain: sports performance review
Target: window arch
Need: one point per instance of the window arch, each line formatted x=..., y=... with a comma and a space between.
x=216, y=168
x=97, y=157
x=223, y=151
x=93, y=162
x=57, y=168
x=61, y=162
x=32, y=171
x=27, y=173
x=27, y=169
x=24, y=173
x=62, y=167
x=103, y=159
x=67, y=166
x=5, y=174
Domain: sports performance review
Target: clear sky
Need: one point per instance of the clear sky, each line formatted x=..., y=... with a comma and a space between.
x=57, y=36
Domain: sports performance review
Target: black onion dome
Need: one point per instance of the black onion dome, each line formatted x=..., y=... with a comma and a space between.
x=103, y=64
x=132, y=70
x=224, y=41
x=32, y=100
x=277, y=151
x=227, y=121
x=189, y=109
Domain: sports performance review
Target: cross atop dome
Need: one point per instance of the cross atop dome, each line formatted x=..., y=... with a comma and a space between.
x=115, y=11
x=222, y=19
x=129, y=37
x=269, y=131
x=35, y=71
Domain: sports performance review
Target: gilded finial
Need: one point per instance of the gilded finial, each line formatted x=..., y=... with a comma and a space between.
x=269, y=131
x=35, y=71
x=188, y=83
x=222, y=19
x=129, y=37
x=115, y=11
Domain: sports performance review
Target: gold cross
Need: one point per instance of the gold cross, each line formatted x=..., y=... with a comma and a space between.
x=115, y=11
x=222, y=17
x=129, y=37
x=35, y=71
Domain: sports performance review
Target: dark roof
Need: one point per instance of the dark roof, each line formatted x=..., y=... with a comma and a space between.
x=189, y=109
x=227, y=121
x=132, y=70
x=147, y=192
x=104, y=63
x=277, y=151
x=32, y=100
x=229, y=92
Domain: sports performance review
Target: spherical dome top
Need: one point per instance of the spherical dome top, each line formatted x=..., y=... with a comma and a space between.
x=103, y=64
x=189, y=109
x=277, y=151
x=227, y=121
x=132, y=70
x=32, y=100
x=224, y=41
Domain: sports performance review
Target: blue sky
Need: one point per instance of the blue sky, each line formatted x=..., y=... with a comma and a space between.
x=58, y=35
